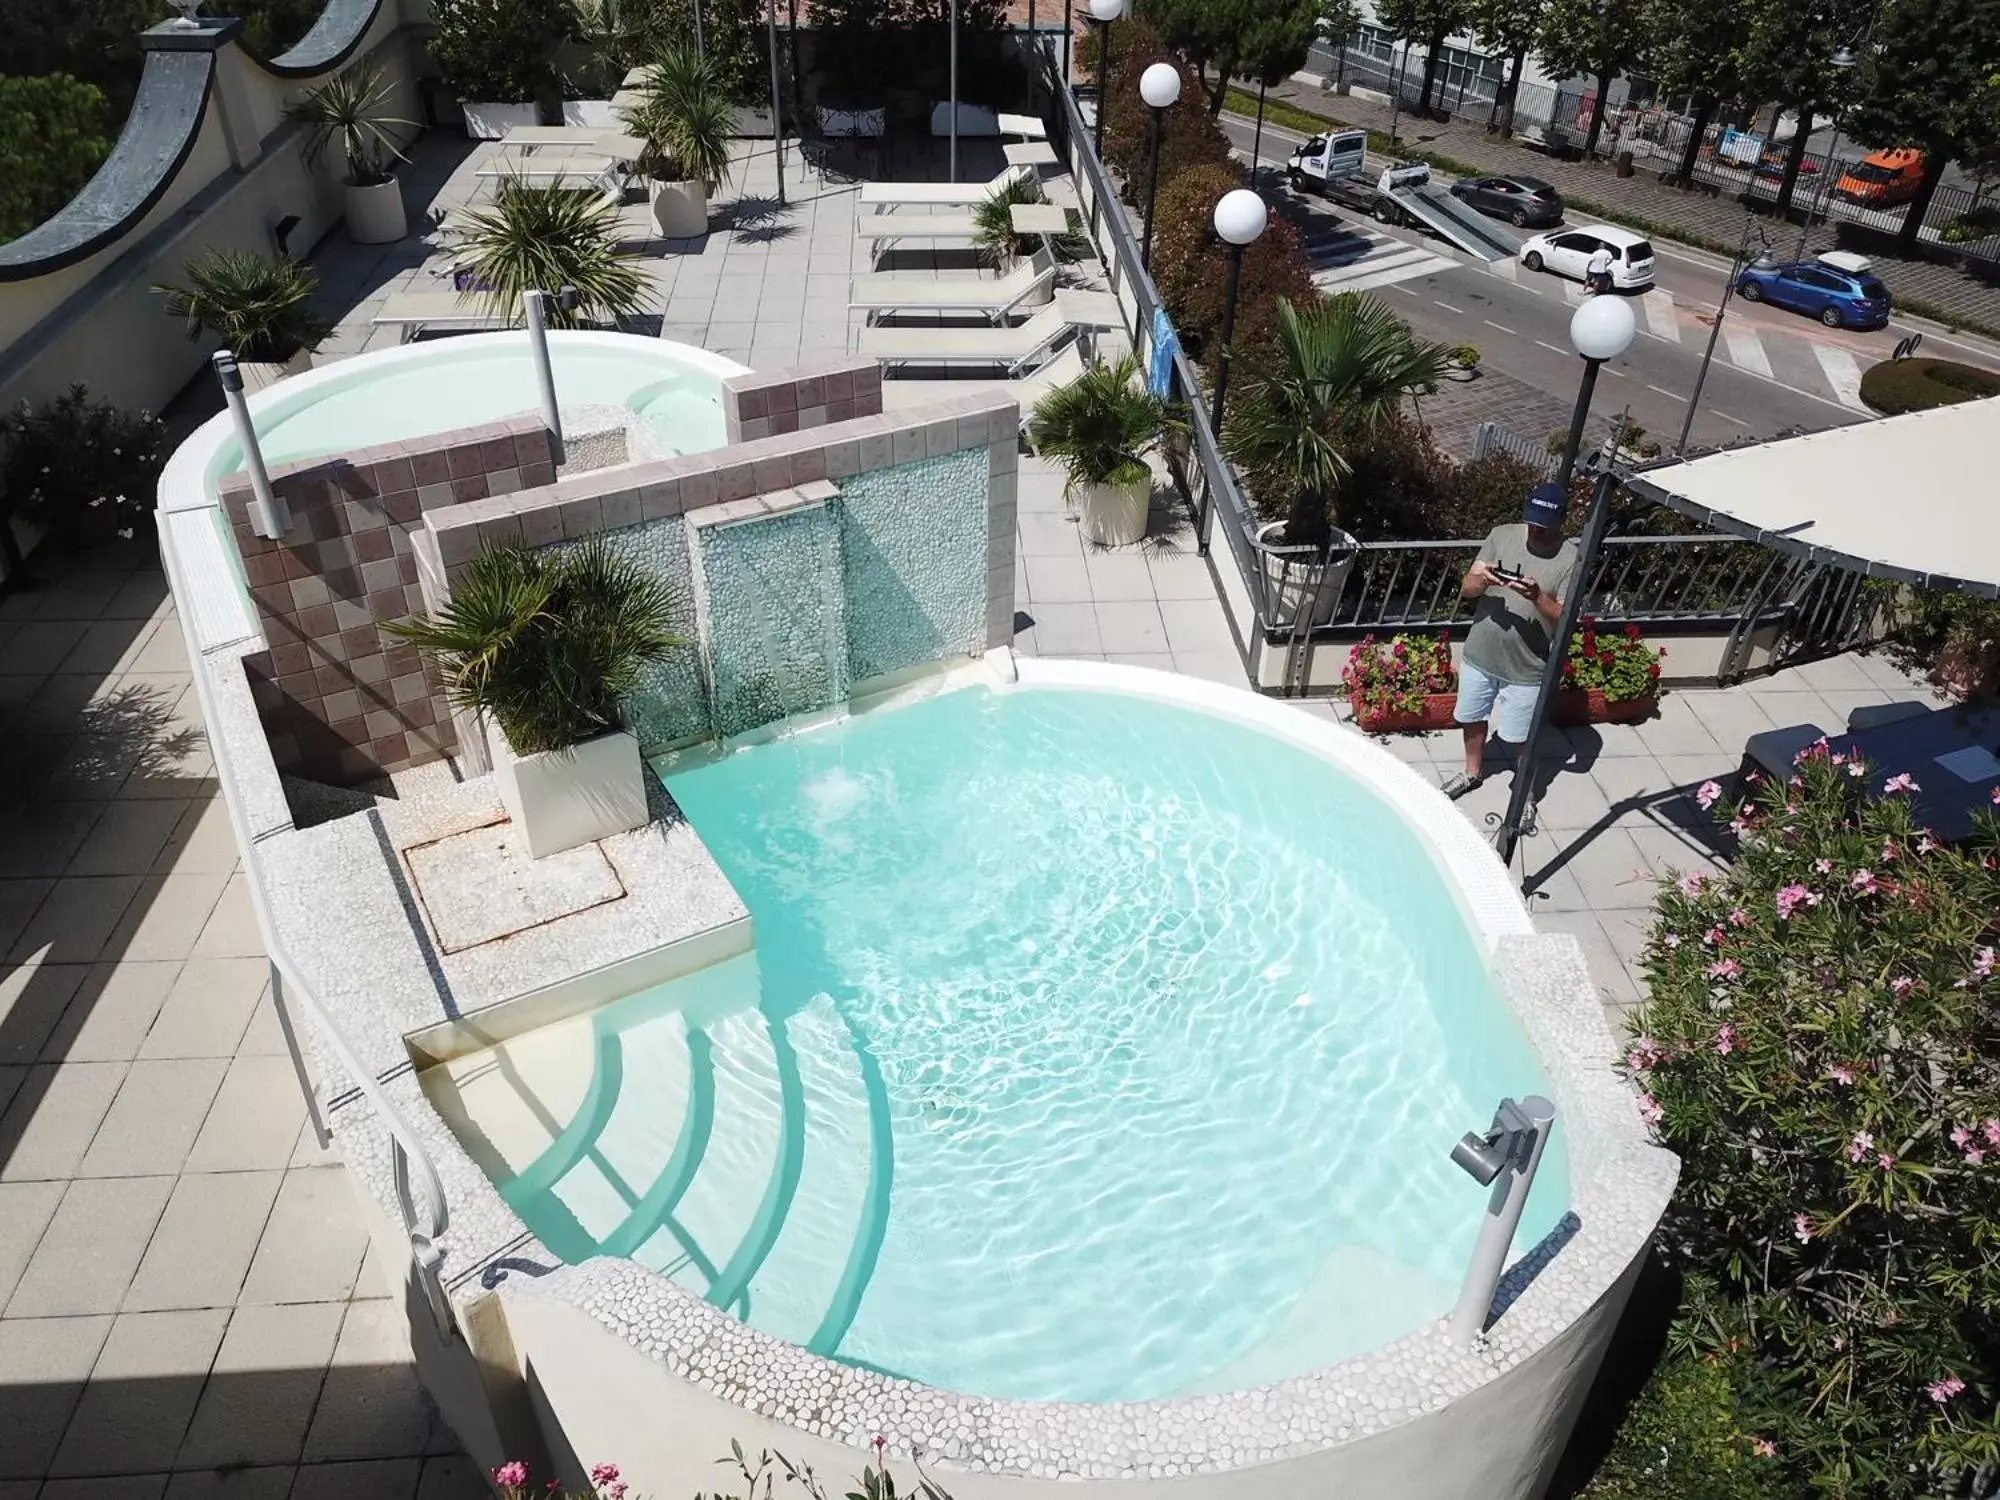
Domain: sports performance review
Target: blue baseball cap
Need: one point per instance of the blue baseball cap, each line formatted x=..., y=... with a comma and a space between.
x=1547, y=503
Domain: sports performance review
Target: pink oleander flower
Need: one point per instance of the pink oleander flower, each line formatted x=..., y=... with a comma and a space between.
x=1824, y=866
x=1691, y=883
x=1713, y=936
x=1856, y=769
x=1982, y=966
x=1725, y=968
x=1739, y=918
x=1644, y=1053
x=1888, y=852
x=1791, y=898
x=1802, y=1227
x=1739, y=825
x=1927, y=845
x=1672, y=940
x=1860, y=1146
x=1974, y=1156
x=511, y=1476
x=1764, y=1448
x=1649, y=1109
x=1885, y=1161
x=1943, y=1390
x=1841, y=1074
x=1707, y=795
x=1996, y=794
x=1725, y=1039
x=1815, y=751
x=1865, y=882
x=1903, y=783
x=1902, y=984
x=604, y=1474
x=1960, y=1136
x=1991, y=1130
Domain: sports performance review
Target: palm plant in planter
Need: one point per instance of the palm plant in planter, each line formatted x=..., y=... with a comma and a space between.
x=549, y=237
x=1343, y=367
x=259, y=307
x=1099, y=428
x=685, y=118
x=544, y=646
x=993, y=225
x=353, y=108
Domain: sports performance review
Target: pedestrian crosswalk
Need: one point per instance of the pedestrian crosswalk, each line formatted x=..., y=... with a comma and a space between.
x=1349, y=258
x=1661, y=319
x=1843, y=373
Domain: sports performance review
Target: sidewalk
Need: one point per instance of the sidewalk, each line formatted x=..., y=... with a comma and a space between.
x=1946, y=293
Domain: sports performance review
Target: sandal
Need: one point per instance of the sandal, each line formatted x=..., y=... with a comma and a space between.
x=1460, y=784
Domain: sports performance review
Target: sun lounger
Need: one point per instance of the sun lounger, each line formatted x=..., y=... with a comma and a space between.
x=880, y=231
x=551, y=166
x=995, y=296
x=463, y=312
x=950, y=194
x=1015, y=347
x=1028, y=127
x=1028, y=391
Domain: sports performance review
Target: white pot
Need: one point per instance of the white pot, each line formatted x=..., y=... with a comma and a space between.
x=753, y=122
x=559, y=799
x=375, y=213
x=258, y=374
x=680, y=209
x=1112, y=515
x=488, y=122
x=1295, y=580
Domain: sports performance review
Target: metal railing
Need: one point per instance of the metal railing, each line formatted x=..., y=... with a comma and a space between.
x=414, y=1174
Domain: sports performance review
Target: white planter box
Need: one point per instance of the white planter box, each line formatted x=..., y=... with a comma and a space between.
x=753, y=123
x=375, y=213
x=559, y=799
x=595, y=114
x=489, y=122
x=1112, y=515
x=680, y=209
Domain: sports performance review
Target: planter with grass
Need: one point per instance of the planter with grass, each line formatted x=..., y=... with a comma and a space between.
x=534, y=235
x=353, y=109
x=1411, y=685
x=1099, y=429
x=258, y=306
x=685, y=118
x=543, y=647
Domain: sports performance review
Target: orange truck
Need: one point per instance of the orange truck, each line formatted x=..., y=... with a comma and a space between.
x=1883, y=179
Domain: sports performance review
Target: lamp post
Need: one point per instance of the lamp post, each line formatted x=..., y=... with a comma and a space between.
x=1160, y=87
x=777, y=111
x=1240, y=217
x=1715, y=328
x=1846, y=60
x=952, y=171
x=1603, y=328
x=1103, y=12
x=1396, y=91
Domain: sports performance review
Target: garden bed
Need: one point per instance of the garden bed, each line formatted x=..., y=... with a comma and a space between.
x=1572, y=706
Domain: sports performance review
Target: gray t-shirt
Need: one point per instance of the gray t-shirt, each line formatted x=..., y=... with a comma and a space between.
x=1509, y=638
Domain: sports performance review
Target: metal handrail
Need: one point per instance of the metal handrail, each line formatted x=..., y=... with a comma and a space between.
x=406, y=1150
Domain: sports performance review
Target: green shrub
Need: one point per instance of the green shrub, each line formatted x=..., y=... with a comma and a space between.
x=54, y=132
x=1820, y=1047
x=1686, y=1437
x=85, y=469
x=1952, y=637
x=1900, y=385
x=1190, y=137
x=500, y=51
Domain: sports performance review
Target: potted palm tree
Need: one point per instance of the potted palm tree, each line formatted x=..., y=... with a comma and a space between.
x=995, y=239
x=353, y=108
x=685, y=118
x=544, y=647
x=258, y=306
x=534, y=235
x=1342, y=367
x=1099, y=428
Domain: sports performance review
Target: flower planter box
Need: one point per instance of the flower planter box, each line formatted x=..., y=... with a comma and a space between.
x=1572, y=706
x=559, y=799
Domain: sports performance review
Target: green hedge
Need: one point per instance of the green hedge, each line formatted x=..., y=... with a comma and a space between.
x=1900, y=385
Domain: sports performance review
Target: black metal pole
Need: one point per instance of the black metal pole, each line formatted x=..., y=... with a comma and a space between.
x=1257, y=139
x=700, y=41
x=1396, y=92
x=1228, y=330
x=1714, y=332
x=777, y=109
x=1152, y=190
x=1520, y=798
x=1103, y=86
x=1069, y=25
x=1576, y=421
x=1034, y=55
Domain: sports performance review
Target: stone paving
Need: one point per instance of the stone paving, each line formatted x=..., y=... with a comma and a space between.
x=1719, y=220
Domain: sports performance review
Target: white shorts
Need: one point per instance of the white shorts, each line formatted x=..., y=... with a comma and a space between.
x=1509, y=705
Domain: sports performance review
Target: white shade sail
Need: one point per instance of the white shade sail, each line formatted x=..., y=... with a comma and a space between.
x=1915, y=498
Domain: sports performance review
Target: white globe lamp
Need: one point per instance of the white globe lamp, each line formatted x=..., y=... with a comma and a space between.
x=1240, y=217
x=1160, y=85
x=1603, y=327
x=1106, y=10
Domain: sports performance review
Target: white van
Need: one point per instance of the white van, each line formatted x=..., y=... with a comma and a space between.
x=1567, y=252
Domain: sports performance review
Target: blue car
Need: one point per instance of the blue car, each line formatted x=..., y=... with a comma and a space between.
x=1837, y=289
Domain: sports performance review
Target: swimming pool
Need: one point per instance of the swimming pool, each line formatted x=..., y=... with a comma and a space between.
x=420, y=389
x=1094, y=1048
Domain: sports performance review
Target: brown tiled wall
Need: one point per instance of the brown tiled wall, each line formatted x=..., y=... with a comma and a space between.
x=766, y=404
x=340, y=700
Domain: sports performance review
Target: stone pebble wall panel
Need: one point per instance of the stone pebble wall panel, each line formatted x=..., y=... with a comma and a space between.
x=914, y=541
x=340, y=700
x=671, y=704
x=766, y=403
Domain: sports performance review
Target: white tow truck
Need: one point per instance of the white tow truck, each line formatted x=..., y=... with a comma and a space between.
x=1335, y=166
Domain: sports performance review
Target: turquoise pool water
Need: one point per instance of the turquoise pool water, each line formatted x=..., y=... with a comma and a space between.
x=1094, y=1048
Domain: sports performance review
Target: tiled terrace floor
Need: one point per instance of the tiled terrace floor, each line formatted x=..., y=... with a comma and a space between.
x=187, y=1307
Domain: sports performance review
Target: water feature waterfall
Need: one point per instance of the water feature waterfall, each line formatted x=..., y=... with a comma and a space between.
x=772, y=610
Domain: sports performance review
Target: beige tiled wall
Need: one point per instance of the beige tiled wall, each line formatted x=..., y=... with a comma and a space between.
x=770, y=403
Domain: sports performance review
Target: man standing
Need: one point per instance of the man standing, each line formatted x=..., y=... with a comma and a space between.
x=1519, y=580
x=1597, y=271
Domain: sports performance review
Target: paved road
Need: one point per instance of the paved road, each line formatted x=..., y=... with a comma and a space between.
x=1772, y=370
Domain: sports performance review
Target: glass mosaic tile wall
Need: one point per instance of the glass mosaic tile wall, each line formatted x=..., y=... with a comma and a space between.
x=913, y=540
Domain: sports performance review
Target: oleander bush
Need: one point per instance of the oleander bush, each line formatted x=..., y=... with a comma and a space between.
x=1688, y=1436
x=1821, y=1047
x=85, y=469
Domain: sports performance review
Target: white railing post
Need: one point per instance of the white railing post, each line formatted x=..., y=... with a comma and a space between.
x=1505, y=1156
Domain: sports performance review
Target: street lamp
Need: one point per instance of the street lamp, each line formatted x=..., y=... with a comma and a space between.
x=1240, y=216
x=1846, y=60
x=1603, y=328
x=1103, y=12
x=1160, y=87
x=777, y=105
x=1715, y=328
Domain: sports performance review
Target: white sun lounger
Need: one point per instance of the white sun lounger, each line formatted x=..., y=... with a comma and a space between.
x=592, y=166
x=1012, y=347
x=1028, y=127
x=463, y=312
x=949, y=194
x=995, y=296
x=1027, y=391
x=880, y=231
